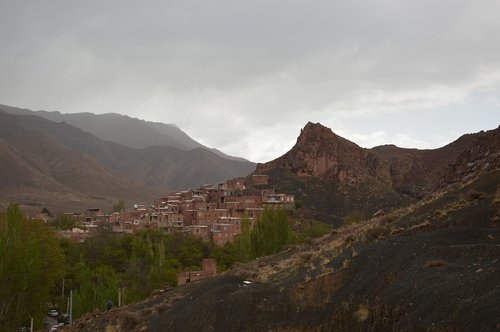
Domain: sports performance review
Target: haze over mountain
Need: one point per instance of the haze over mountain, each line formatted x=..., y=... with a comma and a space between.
x=122, y=129
x=412, y=73
x=37, y=169
x=54, y=158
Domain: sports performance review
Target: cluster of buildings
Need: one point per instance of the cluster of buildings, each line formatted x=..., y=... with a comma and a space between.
x=209, y=212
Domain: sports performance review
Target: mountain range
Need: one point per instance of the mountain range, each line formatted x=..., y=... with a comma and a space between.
x=334, y=179
x=415, y=247
x=62, y=166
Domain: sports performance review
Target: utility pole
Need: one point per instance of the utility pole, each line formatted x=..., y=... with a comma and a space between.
x=71, y=307
x=62, y=292
x=119, y=297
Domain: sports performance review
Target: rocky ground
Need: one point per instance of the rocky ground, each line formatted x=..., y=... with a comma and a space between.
x=433, y=266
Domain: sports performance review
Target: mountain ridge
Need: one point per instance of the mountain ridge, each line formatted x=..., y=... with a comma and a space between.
x=35, y=163
x=152, y=171
x=123, y=129
x=336, y=177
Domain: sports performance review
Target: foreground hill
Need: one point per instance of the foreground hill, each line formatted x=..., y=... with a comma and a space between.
x=43, y=158
x=432, y=266
x=334, y=177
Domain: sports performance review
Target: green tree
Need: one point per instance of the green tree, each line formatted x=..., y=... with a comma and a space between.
x=137, y=263
x=119, y=206
x=225, y=256
x=63, y=222
x=243, y=242
x=270, y=233
x=32, y=262
x=96, y=286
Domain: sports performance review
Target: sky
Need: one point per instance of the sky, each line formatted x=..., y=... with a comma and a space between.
x=246, y=76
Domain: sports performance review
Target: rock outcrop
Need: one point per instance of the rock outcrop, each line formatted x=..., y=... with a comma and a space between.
x=321, y=153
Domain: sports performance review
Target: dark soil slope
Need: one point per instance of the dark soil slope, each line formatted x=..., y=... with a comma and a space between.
x=433, y=266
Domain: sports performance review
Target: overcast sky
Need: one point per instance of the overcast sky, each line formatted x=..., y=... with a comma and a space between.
x=246, y=76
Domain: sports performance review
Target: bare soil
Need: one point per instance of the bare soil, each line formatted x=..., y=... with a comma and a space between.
x=433, y=266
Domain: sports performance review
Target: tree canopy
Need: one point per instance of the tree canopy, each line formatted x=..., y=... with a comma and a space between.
x=32, y=262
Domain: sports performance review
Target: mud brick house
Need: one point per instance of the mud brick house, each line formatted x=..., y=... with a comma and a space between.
x=210, y=212
x=198, y=230
x=208, y=269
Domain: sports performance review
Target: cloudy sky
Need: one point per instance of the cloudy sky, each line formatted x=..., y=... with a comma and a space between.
x=246, y=76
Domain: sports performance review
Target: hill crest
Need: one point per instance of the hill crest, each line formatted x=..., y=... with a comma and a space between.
x=336, y=177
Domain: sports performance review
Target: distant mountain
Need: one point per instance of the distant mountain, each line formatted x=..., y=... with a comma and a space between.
x=335, y=177
x=122, y=129
x=37, y=169
x=140, y=174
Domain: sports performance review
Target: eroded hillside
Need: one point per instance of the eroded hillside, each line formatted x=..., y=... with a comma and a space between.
x=432, y=266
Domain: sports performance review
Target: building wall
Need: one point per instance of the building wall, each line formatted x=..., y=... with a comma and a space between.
x=209, y=269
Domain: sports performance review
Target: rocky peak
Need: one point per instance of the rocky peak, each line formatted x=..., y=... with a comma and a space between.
x=320, y=152
x=317, y=135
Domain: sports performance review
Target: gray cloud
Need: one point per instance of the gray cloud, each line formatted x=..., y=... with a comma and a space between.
x=245, y=76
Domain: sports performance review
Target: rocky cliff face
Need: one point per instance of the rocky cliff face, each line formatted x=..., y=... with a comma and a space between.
x=478, y=158
x=321, y=153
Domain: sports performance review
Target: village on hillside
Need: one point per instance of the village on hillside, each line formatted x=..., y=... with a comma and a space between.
x=209, y=212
